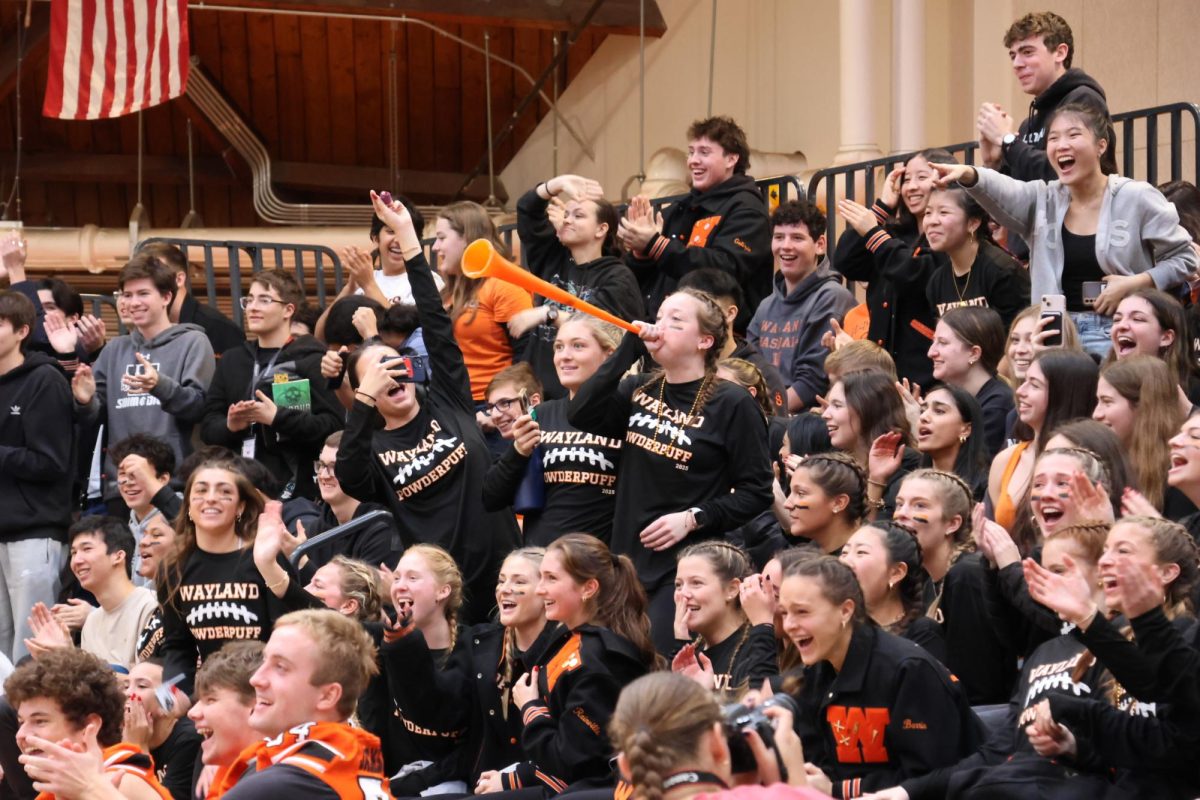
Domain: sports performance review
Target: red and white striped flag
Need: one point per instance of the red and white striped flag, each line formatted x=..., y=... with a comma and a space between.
x=115, y=57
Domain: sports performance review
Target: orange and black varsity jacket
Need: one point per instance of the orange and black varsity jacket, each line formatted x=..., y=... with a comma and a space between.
x=892, y=713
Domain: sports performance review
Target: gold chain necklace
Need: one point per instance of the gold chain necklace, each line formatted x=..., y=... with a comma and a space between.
x=954, y=278
x=662, y=405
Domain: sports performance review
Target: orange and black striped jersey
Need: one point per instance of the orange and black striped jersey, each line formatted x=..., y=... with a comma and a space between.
x=321, y=760
x=127, y=759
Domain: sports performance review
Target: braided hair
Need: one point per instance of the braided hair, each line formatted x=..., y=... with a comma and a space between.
x=750, y=377
x=903, y=548
x=509, y=649
x=711, y=320
x=839, y=473
x=730, y=563
x=659, y=724
x=447, y=573
x=957, y=500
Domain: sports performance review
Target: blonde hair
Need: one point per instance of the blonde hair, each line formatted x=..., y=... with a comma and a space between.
x=607, y=335
x=344, y=650
x=658, y=724
x=446, y=572
x=858, y=356
x=360, y=582
x=750, y=377
x=1070, y=341
x=957, y=501
x=534, y=555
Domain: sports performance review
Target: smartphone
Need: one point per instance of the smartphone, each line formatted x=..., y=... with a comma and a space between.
x=523, y=401
x=1091, y=292
x=1054, y=308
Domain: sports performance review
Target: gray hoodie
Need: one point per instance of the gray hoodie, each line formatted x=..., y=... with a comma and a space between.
x=184, y=359
x=787, y=328
x=1138, y=230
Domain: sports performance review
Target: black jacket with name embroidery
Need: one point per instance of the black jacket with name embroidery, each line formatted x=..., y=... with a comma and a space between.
x=565, y=734
x=892, y=713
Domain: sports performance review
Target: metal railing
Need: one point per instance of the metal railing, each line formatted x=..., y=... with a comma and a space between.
x=1127, y=124
x=303, y=260
x=103, y=307
x=869, y=173
x=774, y=190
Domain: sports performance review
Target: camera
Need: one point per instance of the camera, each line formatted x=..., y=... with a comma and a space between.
x=739, y=720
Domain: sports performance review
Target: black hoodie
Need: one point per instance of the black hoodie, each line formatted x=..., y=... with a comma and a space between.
x=605, y=283
x=726, y=227
x=288, y=446
x=36, y=443
x=1025, y=159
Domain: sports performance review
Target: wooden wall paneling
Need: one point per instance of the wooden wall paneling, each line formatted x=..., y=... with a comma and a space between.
x=370, y=61
x=472, y=114
x=60, y=203
x=503, y=102
x=205, y=40
x=234, y=76
x=403, y=97
x=314, y=55
x=526, y=52
x=33, y=203
x=293, y=127
x=447, y=84
x=264, y=83
x=343, y=112
x=85, y=200
x=421, y=119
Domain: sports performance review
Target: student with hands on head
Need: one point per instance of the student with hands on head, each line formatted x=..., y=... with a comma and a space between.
x=578, y=254
x=894, y=258
x=427, y=461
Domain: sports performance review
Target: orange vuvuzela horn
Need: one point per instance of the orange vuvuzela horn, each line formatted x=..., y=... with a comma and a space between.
x=480, y=260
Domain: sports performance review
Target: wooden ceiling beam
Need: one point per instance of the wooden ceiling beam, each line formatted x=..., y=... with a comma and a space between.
x=341, y=179
x=91, y=168
x=616, y=16
x=36, y=46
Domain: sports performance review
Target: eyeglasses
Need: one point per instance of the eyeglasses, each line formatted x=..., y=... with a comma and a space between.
x=321, y=466
x=502, y=405
x=260, y=300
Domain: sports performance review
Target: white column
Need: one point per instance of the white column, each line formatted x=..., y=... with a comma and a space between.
x=857, y=73
x=908, y=75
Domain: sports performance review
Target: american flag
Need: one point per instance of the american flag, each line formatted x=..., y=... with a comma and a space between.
x=115, y=57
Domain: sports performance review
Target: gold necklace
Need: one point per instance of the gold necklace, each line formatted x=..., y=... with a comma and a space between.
x=954, y=278
x=662, y=405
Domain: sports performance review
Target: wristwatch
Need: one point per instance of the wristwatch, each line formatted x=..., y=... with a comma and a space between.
x=699, y=518
x=551, y=315
x=1007, y=141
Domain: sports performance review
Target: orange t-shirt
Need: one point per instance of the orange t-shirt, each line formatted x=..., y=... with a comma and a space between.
x=481, y=333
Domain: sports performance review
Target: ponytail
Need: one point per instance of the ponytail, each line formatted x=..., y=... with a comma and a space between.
x=620, y=603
